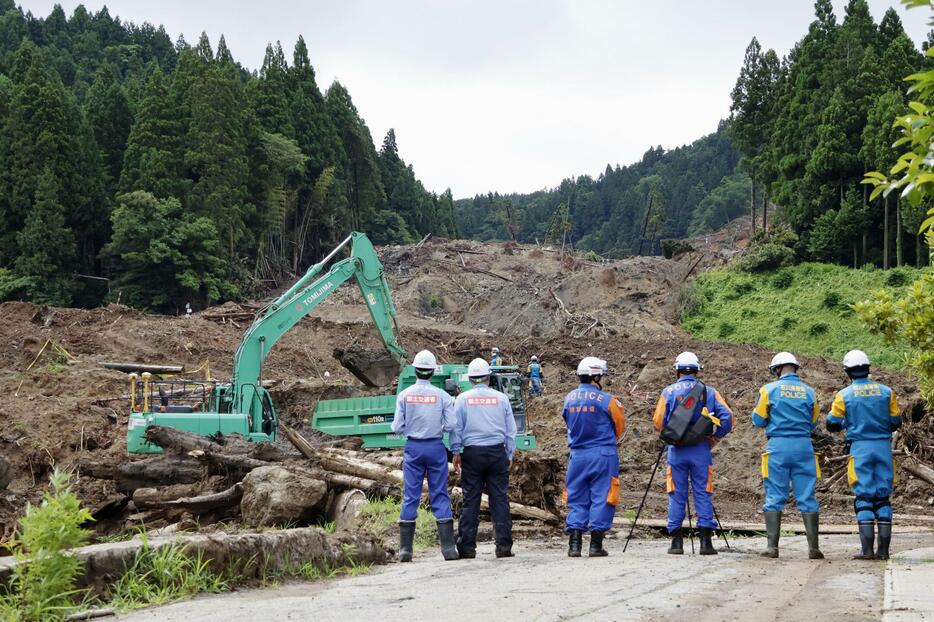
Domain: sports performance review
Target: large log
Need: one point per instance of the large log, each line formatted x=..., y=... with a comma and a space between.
x=920, y=470
x=206, y=503
x=141, y=367
x=158, y=471
x=146, y=498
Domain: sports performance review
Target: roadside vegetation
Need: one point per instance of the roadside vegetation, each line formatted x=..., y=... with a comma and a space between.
x=807, y=309
x=381, y=516
x=44, y=584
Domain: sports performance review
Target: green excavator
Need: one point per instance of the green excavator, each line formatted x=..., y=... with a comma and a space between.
x=244, y=406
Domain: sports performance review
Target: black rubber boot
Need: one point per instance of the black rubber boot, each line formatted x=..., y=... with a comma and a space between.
x=706, y=541
x=406, y=537
x=446, y=536
x=504, y=552
x=575, y=542
x=867, y=536
x=812, y=530
x=885, y=537
x=596, y=544
x=773, y=528
x=677, y=542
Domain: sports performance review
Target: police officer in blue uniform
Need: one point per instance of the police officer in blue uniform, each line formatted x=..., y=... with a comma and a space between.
x=483, y=442
x=495, y=357
x=424, y=413
x=788, y=410
x=692, y=463
x=868, y=411
x=595, y=421
x=536, y=377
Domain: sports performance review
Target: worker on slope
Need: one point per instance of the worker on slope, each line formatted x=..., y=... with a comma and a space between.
x=495, y=357
x=788, y=410
x=869, y=413
x=595, y=421
x=536, y=377
x=705, y=419
x=483, y=441
x=424, y=413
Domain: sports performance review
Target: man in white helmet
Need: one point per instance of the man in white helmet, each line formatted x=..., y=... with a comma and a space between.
x=788, y=410
x=495, y=357
x=595, y=421
x=424, y=413
x=706, y=419
x=869, y=413
x=483, y=441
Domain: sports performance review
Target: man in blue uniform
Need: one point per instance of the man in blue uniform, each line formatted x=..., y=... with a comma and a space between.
x=692, y=461
x=424, y=413
x=483, y=441
x=536, y=377
x=595, y=423
x=495, y=357
x=788, y=410
x=869, y=413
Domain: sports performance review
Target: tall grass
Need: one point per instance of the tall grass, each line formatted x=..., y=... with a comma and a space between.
x=806, y=309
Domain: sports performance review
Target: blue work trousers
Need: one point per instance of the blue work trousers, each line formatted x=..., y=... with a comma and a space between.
x=421, y=458
x=871, y=474
x=790, y=462
x=592, y=488
x=484, y=467
x=690, y=466
x=535, y=387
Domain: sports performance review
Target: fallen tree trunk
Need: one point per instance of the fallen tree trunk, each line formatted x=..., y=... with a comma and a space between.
x=158, y=471
x=142, y=367
x=146, y=498
x=920, y=470
x=202, y=503
x=516, y=509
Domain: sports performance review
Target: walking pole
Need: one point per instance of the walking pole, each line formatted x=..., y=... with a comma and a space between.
x=690, y=527
x=642, y=503
x=720, y=525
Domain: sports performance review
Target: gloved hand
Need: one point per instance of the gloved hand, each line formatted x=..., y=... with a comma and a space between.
x=457, y=463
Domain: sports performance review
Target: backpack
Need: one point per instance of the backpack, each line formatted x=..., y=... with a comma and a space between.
x=679, y=429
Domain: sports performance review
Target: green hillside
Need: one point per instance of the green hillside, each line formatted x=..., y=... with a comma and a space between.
x=805, y=309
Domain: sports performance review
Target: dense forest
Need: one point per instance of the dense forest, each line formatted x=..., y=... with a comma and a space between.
x=626, y=210
x=807, y=128
x=156, y=173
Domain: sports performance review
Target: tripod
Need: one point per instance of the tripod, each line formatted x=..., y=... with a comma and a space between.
x=642, y=503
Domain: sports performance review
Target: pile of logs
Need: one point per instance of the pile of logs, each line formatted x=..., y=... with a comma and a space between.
x=259, y=483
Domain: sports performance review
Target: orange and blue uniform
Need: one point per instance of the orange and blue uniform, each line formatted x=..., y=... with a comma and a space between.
x=788, y=410
x=536, y=375
x=869, y=413
x=691, y=462
x=595, y=421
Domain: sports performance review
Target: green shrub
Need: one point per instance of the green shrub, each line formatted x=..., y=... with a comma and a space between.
x=831, y=300
x=788, y=323
x=725, y=330
x=767, y=256
x=783, y=279
x=898, y=277
x=43, y=583
x=817, y=329
x=672, y=247
x=689, y=300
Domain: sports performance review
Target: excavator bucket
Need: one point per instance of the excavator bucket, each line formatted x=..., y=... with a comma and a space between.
x=374, y=368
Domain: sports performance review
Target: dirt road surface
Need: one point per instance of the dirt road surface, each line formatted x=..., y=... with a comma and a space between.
x=540, y=583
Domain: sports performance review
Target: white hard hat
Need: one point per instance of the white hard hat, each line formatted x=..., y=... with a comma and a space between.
x=424, y=360
x=855, y=358
x=687, y=360
x=592, y=366
x=534, y=358
x=478, y=368
x=495, y=350
x=783, y=358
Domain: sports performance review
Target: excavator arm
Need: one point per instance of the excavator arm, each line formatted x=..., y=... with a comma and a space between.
x=300, y=299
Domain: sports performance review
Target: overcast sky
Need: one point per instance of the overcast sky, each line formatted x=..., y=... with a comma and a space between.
x=510, y=95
